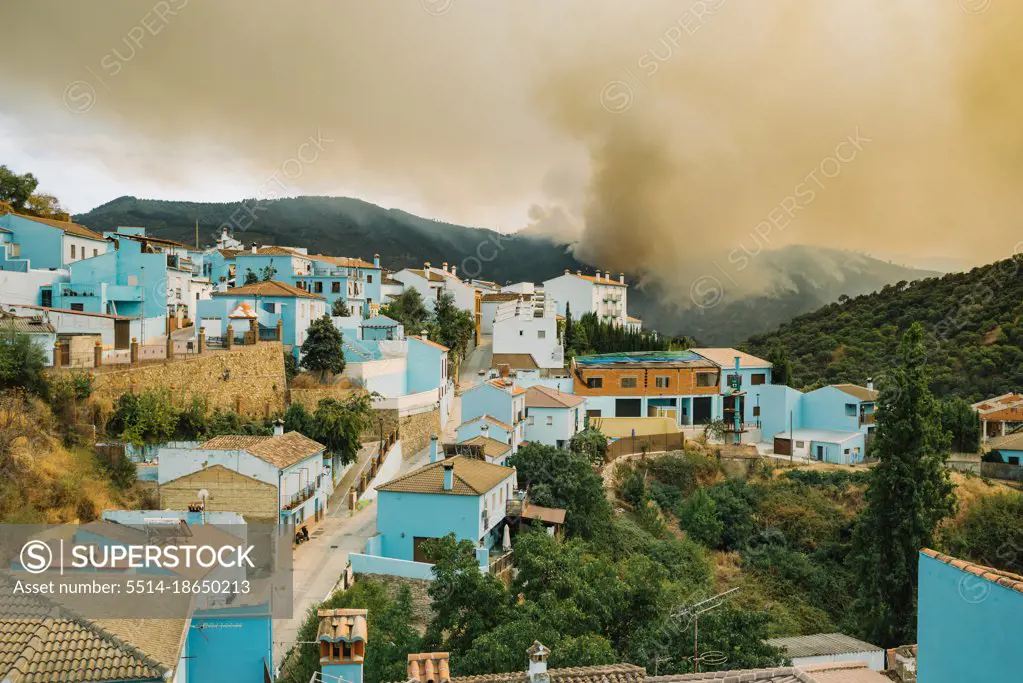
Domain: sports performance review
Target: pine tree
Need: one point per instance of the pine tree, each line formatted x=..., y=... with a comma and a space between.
x=908, y=494
x=323, y=350
x=250, y=277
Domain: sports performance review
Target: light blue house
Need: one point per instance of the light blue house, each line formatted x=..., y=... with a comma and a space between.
x=484, y=425
x=553, y=417
x=1008, y=448
x=269, y=302
x=462, y=496
x=840, y=407
x=822, y=445
x=380, y=327
x=50, y=244
x=501, y=399
x=293, y=470
x=969, y=618
x=428, y=370
x=352, y=280
x=140, y=278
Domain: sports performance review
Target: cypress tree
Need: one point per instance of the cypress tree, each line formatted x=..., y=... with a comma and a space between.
x=908, y=494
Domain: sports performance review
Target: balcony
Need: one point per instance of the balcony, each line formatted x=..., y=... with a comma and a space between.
x=499, y=564
x=299, y=497
x=866, y=419
x=75, y=290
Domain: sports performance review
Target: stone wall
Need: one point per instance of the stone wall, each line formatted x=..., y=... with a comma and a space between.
x=415, y=431
x=246, y=379
x=419, y=589
x=229, y=491
x=309, y=397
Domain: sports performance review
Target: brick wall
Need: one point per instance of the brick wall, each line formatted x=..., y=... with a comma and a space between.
x=681, y=381
x=248, y=379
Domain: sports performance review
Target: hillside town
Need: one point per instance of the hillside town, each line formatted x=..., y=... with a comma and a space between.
x=427, y=438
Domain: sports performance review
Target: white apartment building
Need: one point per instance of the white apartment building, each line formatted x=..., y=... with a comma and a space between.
x=528, y=327
x=601, y=294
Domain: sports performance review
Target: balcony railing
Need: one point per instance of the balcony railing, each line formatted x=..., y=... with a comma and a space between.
x=867, y=419
x=501, y=563
x=78, y=290
x=299, y=497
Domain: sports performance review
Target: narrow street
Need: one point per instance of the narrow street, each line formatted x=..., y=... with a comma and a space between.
x=319, y=563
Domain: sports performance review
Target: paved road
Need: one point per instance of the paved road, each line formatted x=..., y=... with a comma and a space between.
x=478, y=360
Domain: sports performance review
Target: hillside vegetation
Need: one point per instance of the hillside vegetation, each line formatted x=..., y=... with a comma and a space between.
x=972, y=333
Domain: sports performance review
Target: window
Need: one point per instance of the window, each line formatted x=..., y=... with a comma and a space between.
x=850, y=409
x=595, y=382
x=78, y=307
x=369, y=279
x=847, y=451
x=529, y=420
x=72, y=251
x=550, y=419
x=628, y=382
x=662, y=381
x=335, y=287
x=756, y=411
x=520, y=333
x=758, y=378
x=800, y=444
x=541, y=334
x=318, y=286
x=95, y=252
x=593, y=413
x=705, y=379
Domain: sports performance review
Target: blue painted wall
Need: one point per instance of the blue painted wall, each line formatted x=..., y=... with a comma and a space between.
x=486, y=399
x=967, y=627
x=777, y=403
x=825, y=408
x=40, y=244
x=424, y=514
x=835, y=453
x=230, y=645
x=336, y=673
x=424, y=368
x=473, y=429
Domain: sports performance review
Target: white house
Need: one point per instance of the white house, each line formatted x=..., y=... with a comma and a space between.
x=432, y=282
x=489, y=303
x=553, y=417
x=527, y=329
x=600, y=294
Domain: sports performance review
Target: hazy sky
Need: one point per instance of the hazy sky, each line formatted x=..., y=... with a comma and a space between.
x=701, y=130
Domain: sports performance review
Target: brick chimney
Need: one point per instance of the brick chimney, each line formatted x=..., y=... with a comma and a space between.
x=537, y=671
x=449, y=475
x=341, y=637
x=429, y=667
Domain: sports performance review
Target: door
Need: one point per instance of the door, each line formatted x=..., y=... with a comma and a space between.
x=820, y=453
x=122, y=334
x=417, y=552
x=628, y=407
x=701, y=410
x=782, y=446
x=47, y=297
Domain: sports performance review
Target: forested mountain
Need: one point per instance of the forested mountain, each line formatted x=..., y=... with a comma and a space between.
x=805, y=278
x=972, y=324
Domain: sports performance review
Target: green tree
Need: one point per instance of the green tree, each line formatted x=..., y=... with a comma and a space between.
x=290, y=365
x=908, y=494
x=408, y=309
x=559, y=478
x=340, y=308
x=297, y=419
x=698, y=517
x=781, y=366
x=962, y=422
x=323, y=349
x=591, y=444
x=250, y=277
x=338, y=425
x=455, y=327
x=467, y=603
x=21, y=363
x=16, y=189
x=267, y=272
x=991, y=533
x=46, y=206
x=144, y=418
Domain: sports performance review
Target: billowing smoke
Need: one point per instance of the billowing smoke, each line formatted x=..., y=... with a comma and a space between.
x=677, y=139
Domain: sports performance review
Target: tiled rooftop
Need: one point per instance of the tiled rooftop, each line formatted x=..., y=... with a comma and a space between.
x=280, y=451
x=471, y=478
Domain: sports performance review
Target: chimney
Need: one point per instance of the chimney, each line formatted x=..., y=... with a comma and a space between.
x=449, y=475
x=566, y=271
x=444, y=266
x=341, y=637
x=621, y=278
x=425, y=335
x=429, y=667
x=578, y=272
x=253, y=248
x=434, y=448
x=485, y=431
x=537, y=671
x=376, y=260
x=426, y=265
x=870, y=384
x=278, y=427
x=454, y=271
x=598, y=275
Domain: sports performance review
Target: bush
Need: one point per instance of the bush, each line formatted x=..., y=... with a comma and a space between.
x=21, y=363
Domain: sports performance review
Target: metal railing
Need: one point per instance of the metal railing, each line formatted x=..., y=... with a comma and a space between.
x=299, y=497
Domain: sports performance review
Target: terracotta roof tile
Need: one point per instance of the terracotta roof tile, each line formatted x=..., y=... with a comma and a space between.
x=269, y=288
x=344, y=261
x=492, y=448
x=516, y=361
x=342, y=625
x=432, y=667
x=514, y=389
x=66, y=226
x=609, y=673
x=280, y=451
x=539, y=396
x=25, y=325
x=429, y=342
x=491, y=419
x=471, y=478
x=1002, y=578
x=856, y=391
x=503, y=296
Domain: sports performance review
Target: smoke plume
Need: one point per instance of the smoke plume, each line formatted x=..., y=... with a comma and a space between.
x=676, y=139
